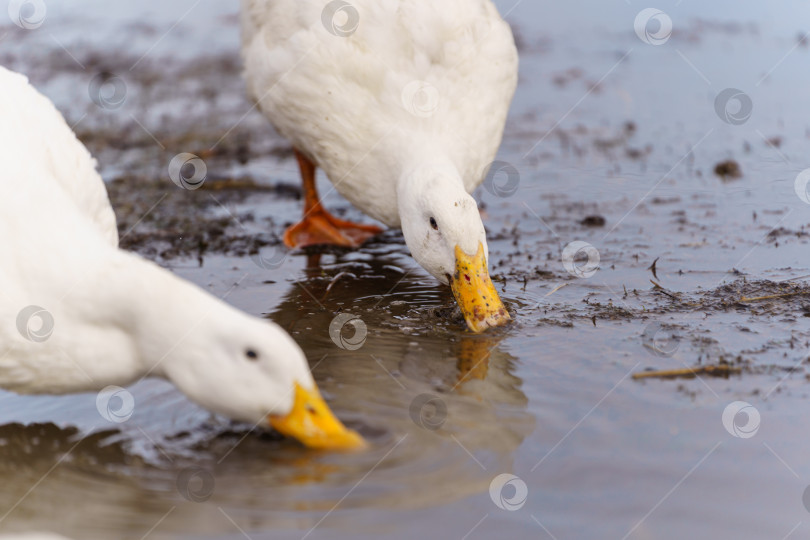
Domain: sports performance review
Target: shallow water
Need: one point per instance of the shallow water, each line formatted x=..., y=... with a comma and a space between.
x=603, y=124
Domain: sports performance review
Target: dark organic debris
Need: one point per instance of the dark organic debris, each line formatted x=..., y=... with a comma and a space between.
x=658, y=288
x=593, y=221
x=770, y=297
x=638, y=153
x=159, y=220
x=728, y=170
x=665, y=200
x=775, y=234
x=653, y=269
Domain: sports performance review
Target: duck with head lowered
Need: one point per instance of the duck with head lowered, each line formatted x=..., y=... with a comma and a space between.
x=403, y=104
x=79, y=315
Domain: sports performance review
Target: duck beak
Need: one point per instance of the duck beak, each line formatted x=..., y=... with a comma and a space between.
x=313, y=424
x=476, y=295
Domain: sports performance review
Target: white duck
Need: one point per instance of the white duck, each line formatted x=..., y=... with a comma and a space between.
x=403, y=104
x=109, y=317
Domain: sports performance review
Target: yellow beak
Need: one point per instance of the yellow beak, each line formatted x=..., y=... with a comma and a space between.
x=476, y=295
x=313, y=424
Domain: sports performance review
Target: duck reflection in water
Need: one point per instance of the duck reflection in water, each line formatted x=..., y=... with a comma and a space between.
x=387, y=348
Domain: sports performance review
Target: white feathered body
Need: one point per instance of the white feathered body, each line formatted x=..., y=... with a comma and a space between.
x=57, y=229
x=403, y=82
x=37, y=146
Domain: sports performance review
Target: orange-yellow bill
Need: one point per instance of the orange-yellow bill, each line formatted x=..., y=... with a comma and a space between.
x=312, y=423
x=476, y=295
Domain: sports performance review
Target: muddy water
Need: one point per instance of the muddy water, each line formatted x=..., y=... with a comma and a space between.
x=604, y=126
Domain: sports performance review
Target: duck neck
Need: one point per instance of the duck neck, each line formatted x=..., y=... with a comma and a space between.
x=425, y=174
x=139, y=333
x=167, y=317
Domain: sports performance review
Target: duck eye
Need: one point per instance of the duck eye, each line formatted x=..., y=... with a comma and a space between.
x=434, y=224
x=253, y=355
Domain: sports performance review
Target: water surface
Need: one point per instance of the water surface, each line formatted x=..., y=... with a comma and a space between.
x=603, y=124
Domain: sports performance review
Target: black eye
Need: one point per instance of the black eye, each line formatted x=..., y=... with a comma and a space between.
x=253, y=355
x=434, y=224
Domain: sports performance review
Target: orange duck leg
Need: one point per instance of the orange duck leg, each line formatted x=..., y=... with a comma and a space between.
x=319, y=226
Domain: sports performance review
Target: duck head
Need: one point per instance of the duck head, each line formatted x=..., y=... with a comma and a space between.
x=245, y=368
x=444, y=232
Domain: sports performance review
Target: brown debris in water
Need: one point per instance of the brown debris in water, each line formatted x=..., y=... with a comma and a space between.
x=653, y=269
x=720, y=370
x=593, y=221
x=728, y=170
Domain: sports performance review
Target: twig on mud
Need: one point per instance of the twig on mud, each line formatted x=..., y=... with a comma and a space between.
x=653, y=269
x=334, y=280
x=792, y=278
x=662, y=290
x=555, y=289
x=720, y=370
x=772, y=296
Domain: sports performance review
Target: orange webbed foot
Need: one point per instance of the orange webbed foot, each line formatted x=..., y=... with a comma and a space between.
x=321, y=227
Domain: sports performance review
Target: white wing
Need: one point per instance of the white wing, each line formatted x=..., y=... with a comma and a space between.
x=37, y=145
